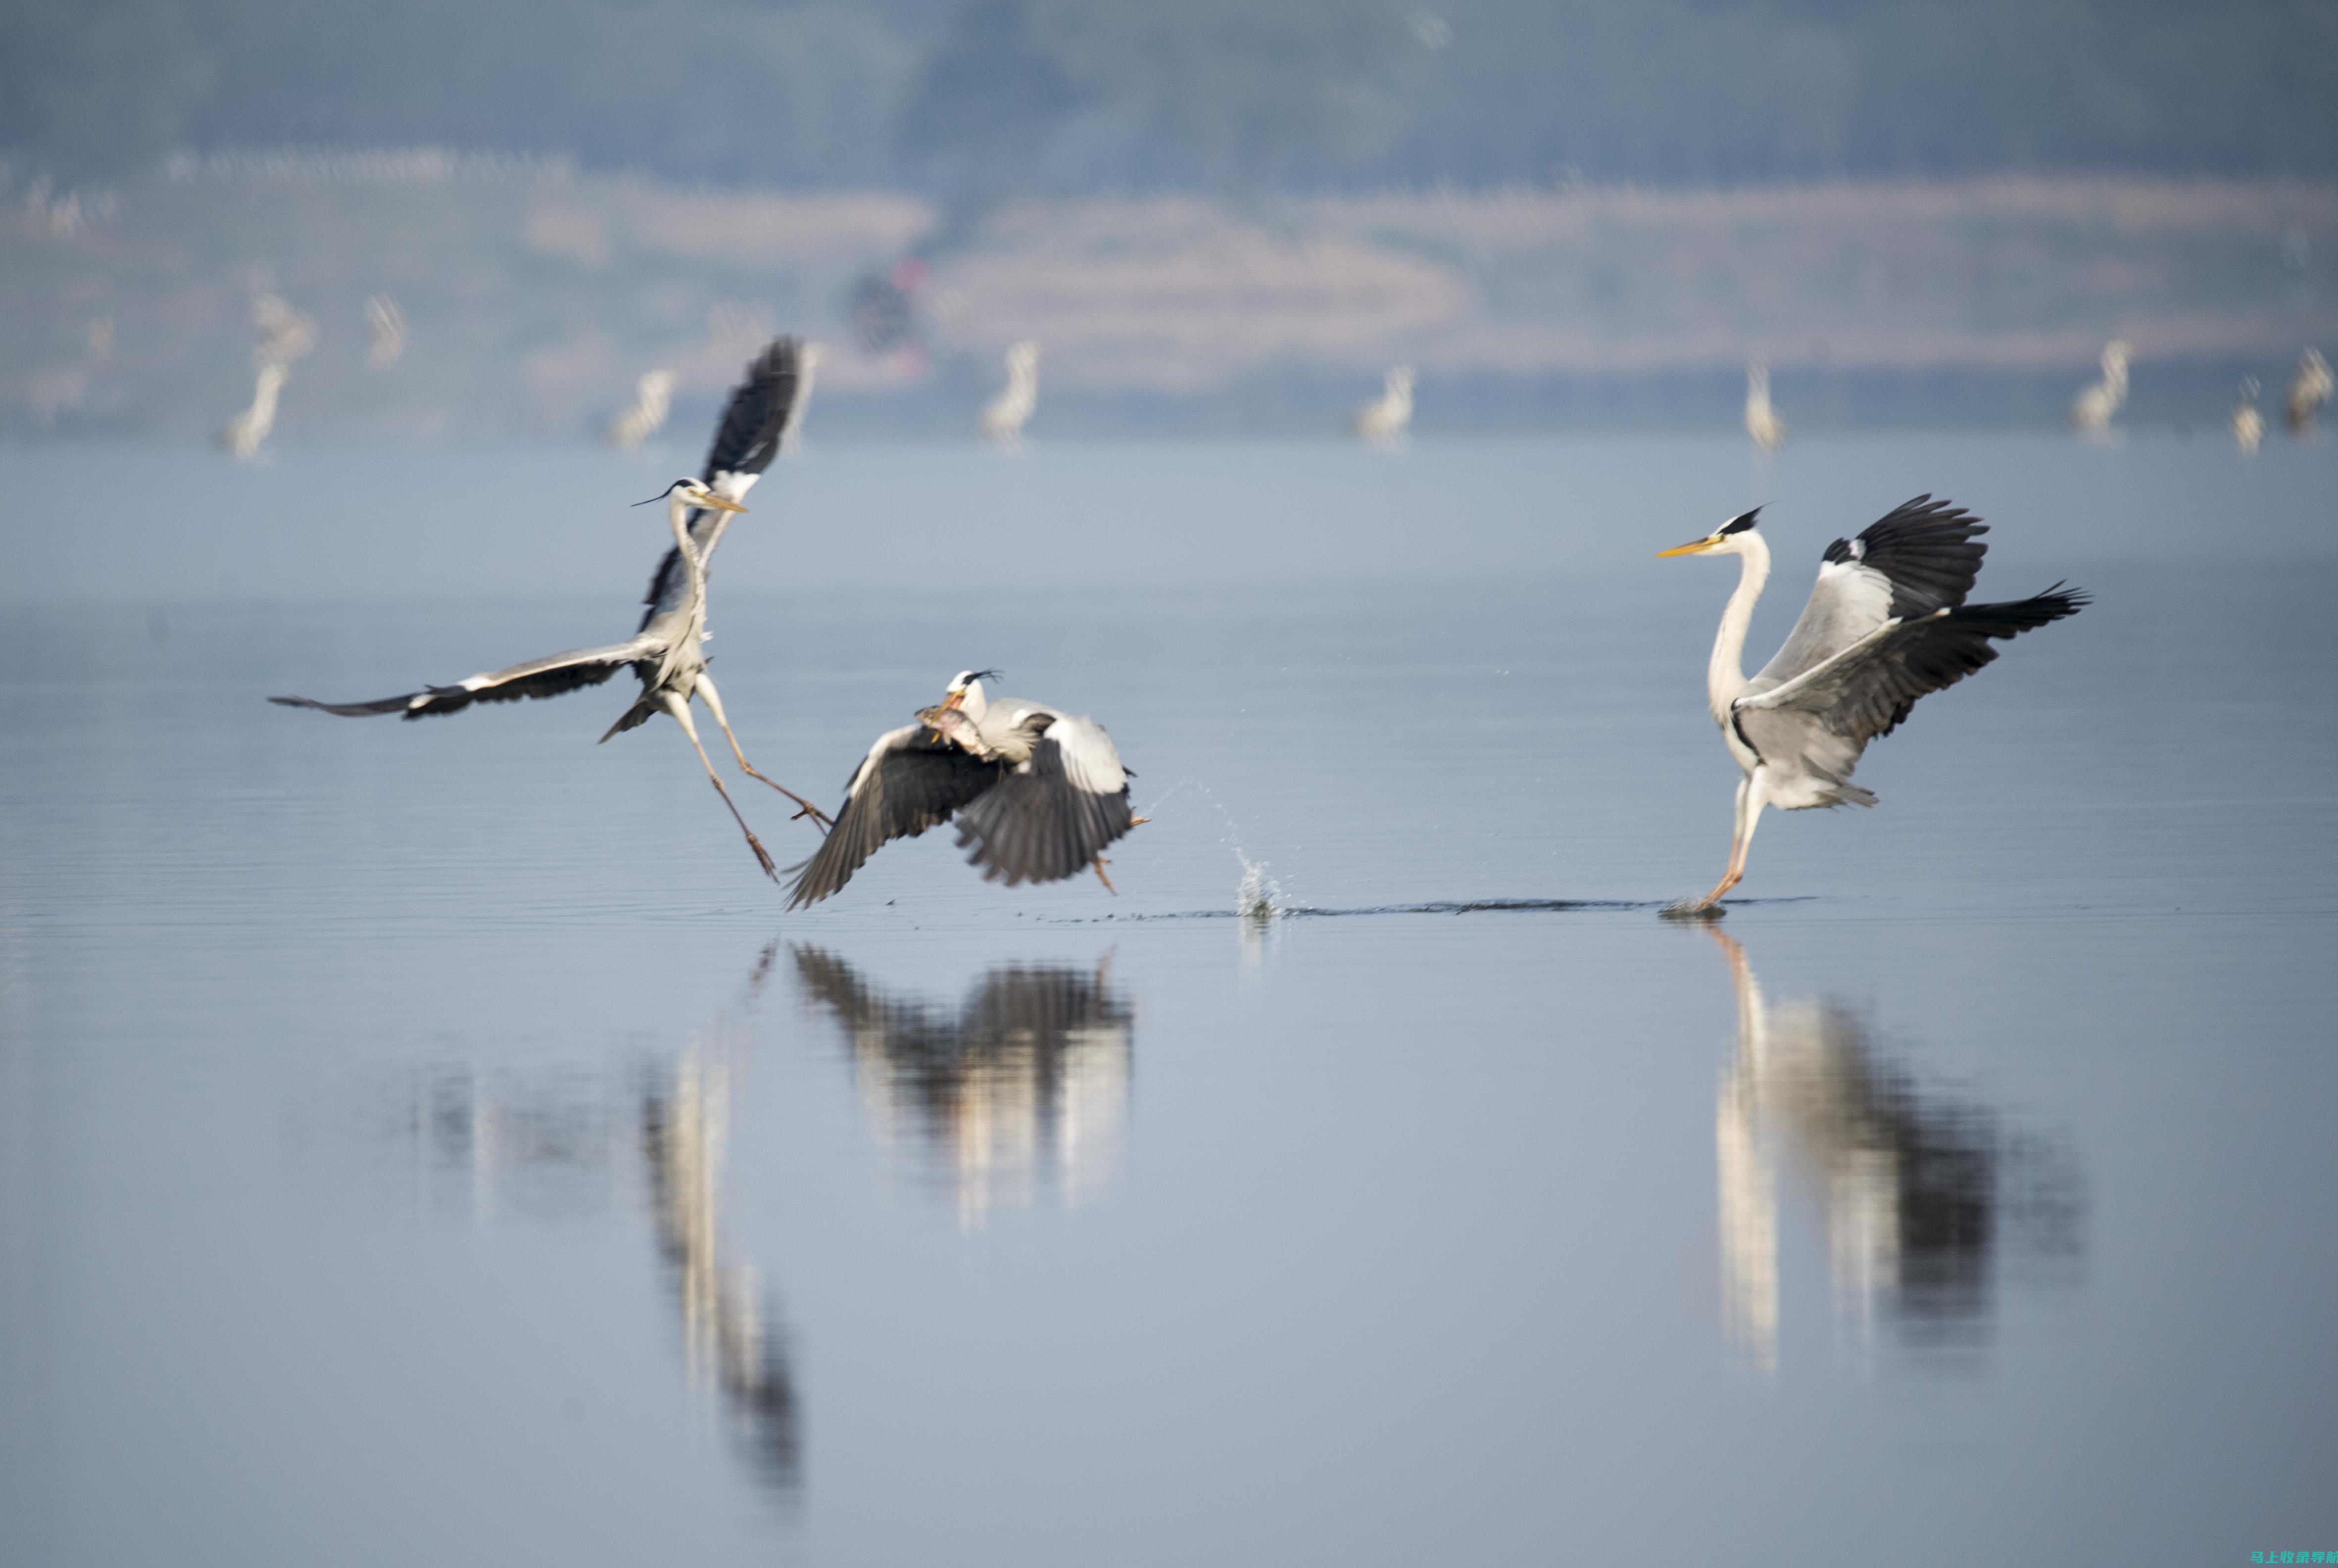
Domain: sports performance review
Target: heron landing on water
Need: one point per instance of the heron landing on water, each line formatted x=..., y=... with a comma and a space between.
x=1886, y=624
x=666, y=651
x=1038, y=792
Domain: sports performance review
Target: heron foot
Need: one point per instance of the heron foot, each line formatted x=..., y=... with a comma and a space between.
x=1706, y=908
x=1100, y=862
x=820, y=819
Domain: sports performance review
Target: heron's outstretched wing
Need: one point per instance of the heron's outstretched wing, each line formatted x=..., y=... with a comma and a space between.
x=1922, y=557
x=1053, y=815
x=547, y=677
x=1826, y=716
x=908, y=782
x=745, y=442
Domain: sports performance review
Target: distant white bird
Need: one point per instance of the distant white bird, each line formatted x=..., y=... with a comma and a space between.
x=2248, y=425
x=1886, y=624
x=666, y=652
x=2308, y=391
x=1038, y=792
x=807, y=360
x=386, y=331
x=1386, y=419
x=1004, y=417
x=2092, y=413
x=285, y=334
x=244, y=434
x=653, y=400
x=1762, y=421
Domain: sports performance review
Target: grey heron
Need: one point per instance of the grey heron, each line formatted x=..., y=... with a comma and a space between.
x=2308, y=391
x=385, y=330
x=1384, y=421
x=285, y=334
x=1886, y=624
x=2249, y=424
x=1038, y=792
x=666, y=650
x=1004, y=417
x=653, y=399
x=244, y=434
x=2098, y=404
x=1762, y=421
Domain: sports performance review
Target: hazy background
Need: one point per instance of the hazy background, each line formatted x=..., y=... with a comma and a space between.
x=1219, y=217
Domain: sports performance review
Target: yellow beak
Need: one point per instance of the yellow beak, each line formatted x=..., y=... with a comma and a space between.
x=721, y=503
x=1693, y=548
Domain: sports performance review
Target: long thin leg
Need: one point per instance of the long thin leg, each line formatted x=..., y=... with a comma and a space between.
x=1750, y=798
x=681, y=711
x=714, y=706
x=1100, y=862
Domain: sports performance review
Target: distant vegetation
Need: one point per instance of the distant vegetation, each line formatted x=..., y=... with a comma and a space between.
x=977, y=99
x=533, y=295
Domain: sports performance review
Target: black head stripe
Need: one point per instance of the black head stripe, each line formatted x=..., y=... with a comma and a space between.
x=1739, y=524
x=669, y=490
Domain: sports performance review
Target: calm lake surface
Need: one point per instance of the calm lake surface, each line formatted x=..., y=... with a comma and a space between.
x=433, y=1143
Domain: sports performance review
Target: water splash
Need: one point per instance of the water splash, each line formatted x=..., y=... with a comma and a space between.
x=1259, y=896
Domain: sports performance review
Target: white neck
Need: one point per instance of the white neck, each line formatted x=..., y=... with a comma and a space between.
x=677, y=514
x=1724, y=678
x=974, y=704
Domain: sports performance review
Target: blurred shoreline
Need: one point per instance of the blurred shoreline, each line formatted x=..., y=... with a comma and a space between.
x=532, y=296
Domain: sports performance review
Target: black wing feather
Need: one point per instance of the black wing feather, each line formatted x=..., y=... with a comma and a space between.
x=1038, y=826
x=909, y=787
x=1921, y=657
x=553, y=682
x=1926, y=548
x=746, y=439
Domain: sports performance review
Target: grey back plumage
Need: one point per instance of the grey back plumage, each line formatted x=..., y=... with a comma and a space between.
x=1920, y=557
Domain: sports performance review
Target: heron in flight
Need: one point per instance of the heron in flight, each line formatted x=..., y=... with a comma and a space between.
x=1887, y=623
x=1038, y=792
x=1383, y=421
x=666, y=650
x=1762, y=421
x=1004, y=417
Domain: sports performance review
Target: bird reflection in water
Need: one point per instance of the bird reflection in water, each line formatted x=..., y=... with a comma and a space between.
x=554, y=1146
x=1921, y=1195
x=1017, y=1092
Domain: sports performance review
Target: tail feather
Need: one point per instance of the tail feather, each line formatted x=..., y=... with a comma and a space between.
x=632, y=718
